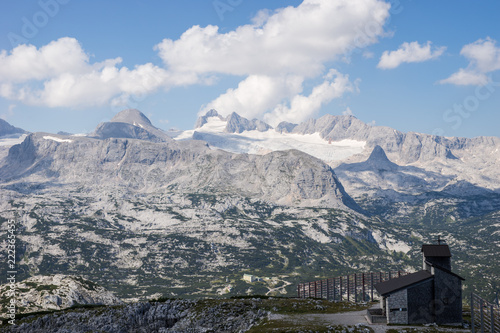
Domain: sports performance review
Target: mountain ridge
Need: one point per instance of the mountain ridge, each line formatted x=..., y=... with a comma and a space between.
x=7, y=129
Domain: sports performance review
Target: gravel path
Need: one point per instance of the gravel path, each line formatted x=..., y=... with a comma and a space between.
x=345, y=318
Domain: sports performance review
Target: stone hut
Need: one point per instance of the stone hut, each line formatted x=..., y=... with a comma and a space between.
x=432, y=295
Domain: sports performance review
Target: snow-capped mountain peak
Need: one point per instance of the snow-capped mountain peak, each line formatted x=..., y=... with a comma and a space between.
x=237, y=134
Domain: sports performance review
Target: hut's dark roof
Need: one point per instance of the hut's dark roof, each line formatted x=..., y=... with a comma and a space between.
x=436, y=250
x=402, y=282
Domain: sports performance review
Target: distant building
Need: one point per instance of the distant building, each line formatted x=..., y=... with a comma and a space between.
x=250, y=278
x=432, y=295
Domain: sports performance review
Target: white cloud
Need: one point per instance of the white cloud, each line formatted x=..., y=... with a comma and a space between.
x=368, y=55
x=255, y=95
x=466, y=77
x=407, y=53
x=293, y=40
x=348, y=112
x=26, y=62
x=275, y=54
x=484, y=57
x=60, y=74
x=9, y=113
x=303, y=107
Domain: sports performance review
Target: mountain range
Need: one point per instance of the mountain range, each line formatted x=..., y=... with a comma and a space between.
x=142, y=211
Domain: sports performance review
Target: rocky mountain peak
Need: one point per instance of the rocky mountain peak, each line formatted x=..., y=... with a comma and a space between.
x=130, y=124
x=378, y=160
x=212, y=113
x=7, y=129
x=204, y=119
x=378, y=155
x=131, y=116
x=239, y=124
x=285, y=127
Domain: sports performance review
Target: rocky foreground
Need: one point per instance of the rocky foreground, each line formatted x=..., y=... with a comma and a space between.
x=54, y=292
x=209, y=315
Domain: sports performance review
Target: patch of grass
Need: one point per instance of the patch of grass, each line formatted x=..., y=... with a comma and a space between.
x=48, y=287
x=278, y=326
x=250, y=297
x=417, y=330
x=32, y=316
x=162, y=299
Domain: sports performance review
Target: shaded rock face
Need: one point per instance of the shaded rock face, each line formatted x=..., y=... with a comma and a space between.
x=7, y=129
x=238, y=124
x=130, y=124
x=58, y=292
x=378, y=160
x=285, y=127
x=175, y=316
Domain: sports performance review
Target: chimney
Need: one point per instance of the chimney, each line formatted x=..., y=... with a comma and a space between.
x=438, y=255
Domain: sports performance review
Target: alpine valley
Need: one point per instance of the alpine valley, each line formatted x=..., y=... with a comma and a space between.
x=148, y=213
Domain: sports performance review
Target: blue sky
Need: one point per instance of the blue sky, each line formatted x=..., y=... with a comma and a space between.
x=422, y=66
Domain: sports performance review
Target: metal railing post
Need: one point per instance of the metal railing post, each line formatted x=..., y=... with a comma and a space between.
x=348, y=291
x=355, y=288
x=363, y=284
x=472, y=312
x=492, y=323
x=482, y=314
x=371, y=278
x=340, y=289
x=334, y=290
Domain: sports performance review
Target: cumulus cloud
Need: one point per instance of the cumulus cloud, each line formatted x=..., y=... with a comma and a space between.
x=348, y=112
x=303, y=107
x=275, y=54
x=26, y=62
x=255, y=95
x=9, y=113
x=297, y=40
x=483, y=56
x=60, y=74
x=278, y=52
x=409, y=52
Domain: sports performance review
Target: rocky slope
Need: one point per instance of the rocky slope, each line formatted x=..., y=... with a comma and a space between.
x=249, y=314
x=55, y=292
x=173, y=316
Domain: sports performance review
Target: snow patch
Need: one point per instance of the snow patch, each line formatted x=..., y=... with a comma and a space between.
x=53, y=138
x=10, y=141
x=390, y=244
x=260, y=143
x=316, y=235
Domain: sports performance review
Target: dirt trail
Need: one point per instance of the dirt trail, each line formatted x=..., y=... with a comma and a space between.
x=348, y=319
